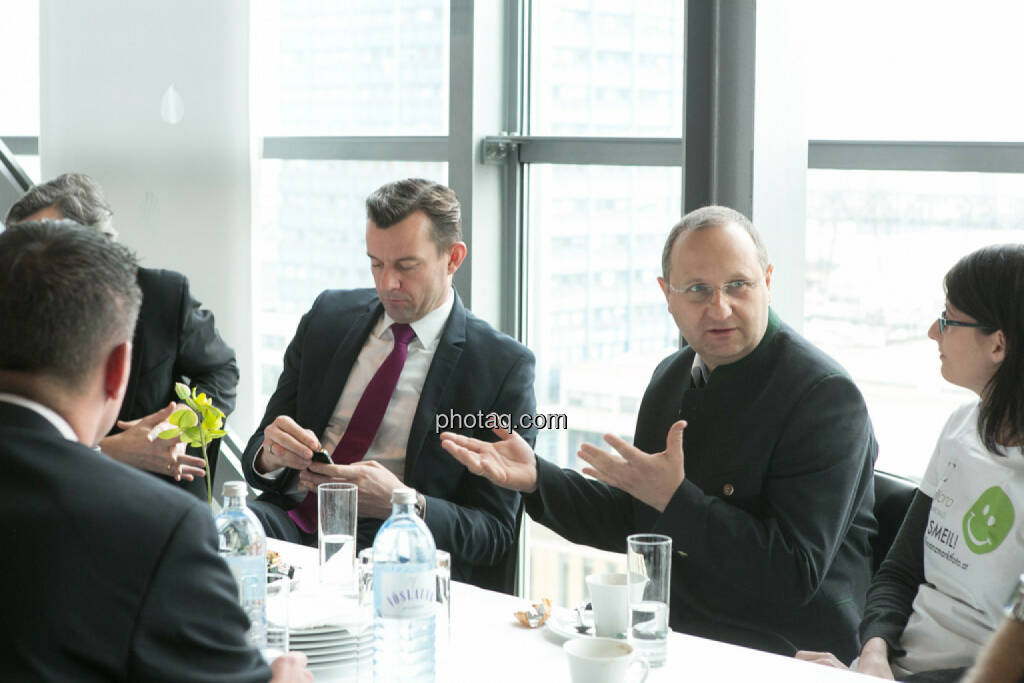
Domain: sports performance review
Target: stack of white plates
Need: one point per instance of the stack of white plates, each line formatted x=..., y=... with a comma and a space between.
x=329, y=647
x=333, y=631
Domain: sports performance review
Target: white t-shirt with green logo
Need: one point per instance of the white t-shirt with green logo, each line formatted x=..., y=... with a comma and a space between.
x=973, y=547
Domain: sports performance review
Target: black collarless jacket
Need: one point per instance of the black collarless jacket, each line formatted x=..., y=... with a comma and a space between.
x=772, y=524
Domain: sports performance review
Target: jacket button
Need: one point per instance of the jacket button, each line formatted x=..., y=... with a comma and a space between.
x=728, y=489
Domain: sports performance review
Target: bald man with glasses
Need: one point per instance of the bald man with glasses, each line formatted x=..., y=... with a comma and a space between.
x=753, y=451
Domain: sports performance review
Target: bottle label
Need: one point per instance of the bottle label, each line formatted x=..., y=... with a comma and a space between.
x=250, y=573
x=404, y=594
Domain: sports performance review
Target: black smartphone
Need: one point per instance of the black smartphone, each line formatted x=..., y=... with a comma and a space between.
x=321, y=457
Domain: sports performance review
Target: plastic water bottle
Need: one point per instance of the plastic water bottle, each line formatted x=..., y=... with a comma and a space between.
x=403, y=595
x=243, y=544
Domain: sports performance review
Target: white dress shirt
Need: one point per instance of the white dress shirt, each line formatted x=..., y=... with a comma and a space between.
x=56, y=420
x=392, y=437
x=389, y=444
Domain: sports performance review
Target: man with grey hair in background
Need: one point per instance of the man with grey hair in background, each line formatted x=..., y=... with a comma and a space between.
x=770, y=508
x=367, y=374
x=110, y=575
x=175, y=340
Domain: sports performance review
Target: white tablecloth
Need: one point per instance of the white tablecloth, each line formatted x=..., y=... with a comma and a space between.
x=488, y=644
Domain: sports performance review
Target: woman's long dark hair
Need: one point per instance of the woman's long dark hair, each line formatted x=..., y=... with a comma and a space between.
x=988, y=285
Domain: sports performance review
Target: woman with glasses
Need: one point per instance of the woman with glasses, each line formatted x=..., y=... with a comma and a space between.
x=943, y=586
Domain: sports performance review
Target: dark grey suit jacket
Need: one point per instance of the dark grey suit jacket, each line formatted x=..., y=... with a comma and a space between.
x=176, y=341
x=475, y=369
x=109, y=574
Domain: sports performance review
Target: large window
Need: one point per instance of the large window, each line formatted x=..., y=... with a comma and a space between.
x=359, y=67
x=328, y=74
x=595, y=316
x=914, y=70
x=606, y=68
x=597, y=322
x=878, y=244
x=894, y=193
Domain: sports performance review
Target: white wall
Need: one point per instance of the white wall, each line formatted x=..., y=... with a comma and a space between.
x=780, y=151
x=180, y=191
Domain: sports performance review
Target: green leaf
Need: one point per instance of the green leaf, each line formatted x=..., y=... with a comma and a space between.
x=193, y=436
x=169, y=434
x=216, y=434
x=188, y=419
x=175, y=417
x=181, y=390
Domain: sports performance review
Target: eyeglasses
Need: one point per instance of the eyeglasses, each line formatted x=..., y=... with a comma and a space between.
x=945, y=322
x=701, y=293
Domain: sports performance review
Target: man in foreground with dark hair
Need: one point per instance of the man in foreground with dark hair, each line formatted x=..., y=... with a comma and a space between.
x=111, y=575
x=366, y=376
x=175, y=341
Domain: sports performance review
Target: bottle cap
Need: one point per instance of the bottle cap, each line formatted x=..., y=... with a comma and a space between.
x=235, y=489
x=403, y=496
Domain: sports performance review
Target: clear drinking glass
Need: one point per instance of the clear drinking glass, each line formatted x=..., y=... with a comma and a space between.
x=278, y=617
x=649, y=556
x=443, y=619
x=337, y=505
x=443, y=625
x=364, y=575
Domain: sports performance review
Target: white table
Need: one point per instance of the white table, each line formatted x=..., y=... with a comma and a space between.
x=488, y=644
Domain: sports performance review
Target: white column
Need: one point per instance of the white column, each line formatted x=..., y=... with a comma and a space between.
x=780, y=152
x=175, y=169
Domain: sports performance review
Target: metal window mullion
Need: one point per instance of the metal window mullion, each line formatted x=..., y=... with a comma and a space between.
x=22, y=145
x=983, y=157
x=593, y=150
x=431, y=148
x=513, y=274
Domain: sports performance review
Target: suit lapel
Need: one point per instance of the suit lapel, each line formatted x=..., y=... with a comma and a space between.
x=438, y=383
x=342, y=363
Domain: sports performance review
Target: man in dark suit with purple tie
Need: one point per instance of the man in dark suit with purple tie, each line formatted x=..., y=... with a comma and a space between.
x=365, y=378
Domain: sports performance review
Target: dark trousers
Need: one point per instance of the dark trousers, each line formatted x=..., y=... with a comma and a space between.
x=277, y=524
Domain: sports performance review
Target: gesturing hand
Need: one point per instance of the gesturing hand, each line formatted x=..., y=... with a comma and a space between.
x=649, y=477
x=138, y=446
x=509, y=463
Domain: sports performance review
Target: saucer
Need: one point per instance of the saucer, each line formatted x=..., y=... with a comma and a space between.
x=562, y=623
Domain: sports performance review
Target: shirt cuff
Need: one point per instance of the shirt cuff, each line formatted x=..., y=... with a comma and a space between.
x=272, y=475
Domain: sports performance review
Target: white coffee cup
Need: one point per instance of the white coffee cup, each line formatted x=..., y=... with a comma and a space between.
x=611, y=596
x=602, y=660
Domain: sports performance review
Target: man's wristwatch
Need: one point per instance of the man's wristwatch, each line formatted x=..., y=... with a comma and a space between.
x=421, y=505
x=1015, y=605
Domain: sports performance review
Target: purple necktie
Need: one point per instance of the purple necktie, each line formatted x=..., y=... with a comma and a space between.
x=366, y=419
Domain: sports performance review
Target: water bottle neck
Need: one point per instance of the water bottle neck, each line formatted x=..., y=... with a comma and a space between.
x=237, y=502
x=403, y=509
